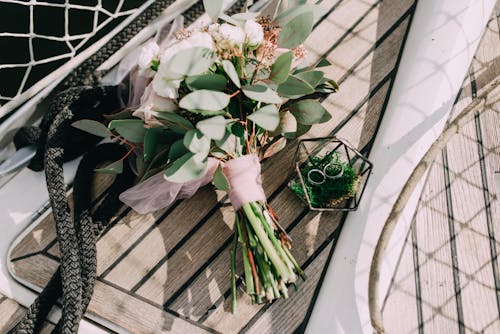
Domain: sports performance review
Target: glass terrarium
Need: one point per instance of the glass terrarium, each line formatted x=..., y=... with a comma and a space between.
x=329, y=174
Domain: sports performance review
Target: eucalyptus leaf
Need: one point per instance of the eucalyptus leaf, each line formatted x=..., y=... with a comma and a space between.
x=245, y=16
x=229, y=19
x=313, y=78
x=204, y=99
x=113, y=168
x=213, y=128
x=295, y=87
x=93, y=127
x=209, y=81
x=124, y=114
x=274, y=148
x=196, y=142
x=227, y=143
x=156, y=139
x=213, y=8
x=323, y=63
x=302, y=129
x=231, y=72
x=132, y=130
x=296, y=31
x=176, y=122
x=288, y=123
x=220, y=180
x=192, y=61
x=209, y=113
x=309, y=112
x=177, y=150
x=285, y=16
x=281, y=67
x=266, y=117
x=238, y=130
x=261, y=93
x=187, y=168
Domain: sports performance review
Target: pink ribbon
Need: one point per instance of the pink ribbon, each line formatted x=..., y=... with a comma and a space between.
x=156, y=193
x=245, y=183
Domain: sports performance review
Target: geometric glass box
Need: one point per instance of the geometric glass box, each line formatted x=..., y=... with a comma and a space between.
x=329, y=174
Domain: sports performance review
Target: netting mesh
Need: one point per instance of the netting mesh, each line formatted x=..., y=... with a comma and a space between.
x=37, y=37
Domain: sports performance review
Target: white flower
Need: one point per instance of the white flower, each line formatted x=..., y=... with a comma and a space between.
x=149, y=52
x=151, y=103
x=234, y=35
x=254, y=32
x=166, y=82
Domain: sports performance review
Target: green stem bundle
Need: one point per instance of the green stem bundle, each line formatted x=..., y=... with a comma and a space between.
x=268, y=263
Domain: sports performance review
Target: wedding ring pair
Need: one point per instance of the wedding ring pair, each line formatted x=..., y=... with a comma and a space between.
x=326, y=173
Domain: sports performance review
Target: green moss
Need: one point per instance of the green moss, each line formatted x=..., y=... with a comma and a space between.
x=332, y=191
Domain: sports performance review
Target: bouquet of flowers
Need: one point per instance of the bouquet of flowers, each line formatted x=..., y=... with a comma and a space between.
x=206, y=104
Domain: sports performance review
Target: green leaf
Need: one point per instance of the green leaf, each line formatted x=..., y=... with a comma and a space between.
x=227, y=143
x=261, y=93
x=229, y=19
x=124, y=114
x=281, y=67
x=196, y=142
x=176, y=122
x=302, y=129
x=231, y=72
x=209, y=81
x=287, y=15
x=245, y=16
x=288, y=123
x=113, y=168
x=154, y=140
x=213, y=128
x=208, y=113
x=266, y=117
x=192, y=61
x=213, y=8
x=187, y=168
x=204, y=100
x=309, y=112
x=238, y=130
x=93, y=127
x=220, y=180
x=177, y=150
x=132, y=130
x=311, y=77
x=323, y=63
x=274, y=148
x=296, y=31
x=295, y=87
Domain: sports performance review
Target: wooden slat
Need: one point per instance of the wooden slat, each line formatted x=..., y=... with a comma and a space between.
x=44, y=234
x=136, y=315
x=11, y=312
x=285, y=316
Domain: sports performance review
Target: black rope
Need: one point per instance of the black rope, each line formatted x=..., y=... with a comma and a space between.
x=57, y=142
x=74, y=280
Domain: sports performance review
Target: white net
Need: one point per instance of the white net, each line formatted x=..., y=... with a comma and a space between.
x=37, y=37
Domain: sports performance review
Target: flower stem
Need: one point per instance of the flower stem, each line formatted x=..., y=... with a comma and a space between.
x=247, y=265
x=247, y=254
x=277, y=245
x=257, y=224
x=233, y=272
